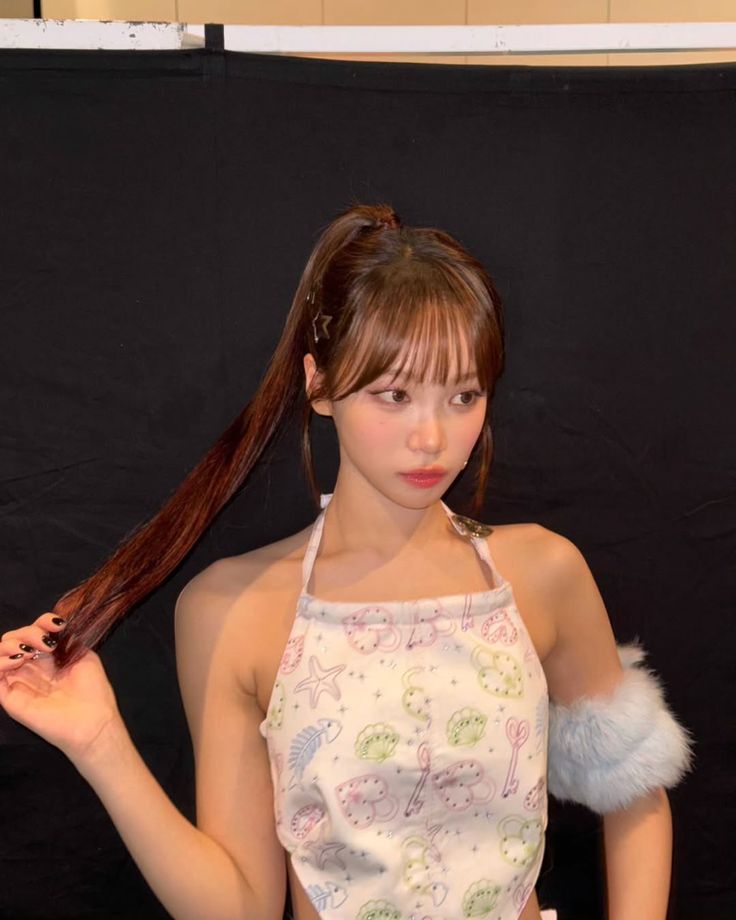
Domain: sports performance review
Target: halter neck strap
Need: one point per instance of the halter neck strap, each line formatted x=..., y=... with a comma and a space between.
x=480, y=544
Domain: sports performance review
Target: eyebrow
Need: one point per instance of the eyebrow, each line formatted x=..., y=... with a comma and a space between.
x=464, y=379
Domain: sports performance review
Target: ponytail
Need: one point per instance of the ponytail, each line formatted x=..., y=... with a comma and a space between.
x=151, y=553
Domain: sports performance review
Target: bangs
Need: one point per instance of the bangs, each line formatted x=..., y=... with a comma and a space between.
x=433, y=341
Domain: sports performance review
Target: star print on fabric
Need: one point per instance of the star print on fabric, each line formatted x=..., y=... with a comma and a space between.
x=326, y=852
x=320, y=681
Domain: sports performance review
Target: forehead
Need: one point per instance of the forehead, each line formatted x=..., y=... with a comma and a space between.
x=428, y=361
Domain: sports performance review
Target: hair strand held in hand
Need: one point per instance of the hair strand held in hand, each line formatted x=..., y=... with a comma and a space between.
x=382, y=293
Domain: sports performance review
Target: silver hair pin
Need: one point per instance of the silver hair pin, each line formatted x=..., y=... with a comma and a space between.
x=319, y=317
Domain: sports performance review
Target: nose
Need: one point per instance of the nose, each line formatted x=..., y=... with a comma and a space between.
x=428, y=435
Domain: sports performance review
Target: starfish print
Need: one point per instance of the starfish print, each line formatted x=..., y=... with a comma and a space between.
x=320, y=681
x=326, y=852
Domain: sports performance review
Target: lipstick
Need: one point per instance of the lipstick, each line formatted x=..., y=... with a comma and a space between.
x=424, y=479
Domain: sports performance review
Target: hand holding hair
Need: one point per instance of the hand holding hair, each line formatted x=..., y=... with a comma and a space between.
x=69, y=709
x=29, y=642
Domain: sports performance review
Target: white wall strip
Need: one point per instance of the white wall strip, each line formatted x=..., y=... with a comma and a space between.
x=500, y=40
x=91, y=34
x=526, y=39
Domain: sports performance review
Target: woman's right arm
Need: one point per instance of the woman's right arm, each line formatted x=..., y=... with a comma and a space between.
x=231, y=866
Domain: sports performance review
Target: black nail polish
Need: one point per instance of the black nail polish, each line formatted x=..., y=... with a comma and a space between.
x=16, y=657
x=50, y=641
x=26, y=648
x=57, y=621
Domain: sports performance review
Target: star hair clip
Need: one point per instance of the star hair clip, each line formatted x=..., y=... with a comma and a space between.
x=319, y=317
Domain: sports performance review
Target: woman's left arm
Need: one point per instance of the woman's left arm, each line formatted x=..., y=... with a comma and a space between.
x=584, y=670
x=638, y=845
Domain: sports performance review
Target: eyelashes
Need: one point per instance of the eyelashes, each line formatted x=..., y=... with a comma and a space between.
x=476, y=394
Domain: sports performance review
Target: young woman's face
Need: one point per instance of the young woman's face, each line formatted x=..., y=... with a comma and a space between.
x=392, y=428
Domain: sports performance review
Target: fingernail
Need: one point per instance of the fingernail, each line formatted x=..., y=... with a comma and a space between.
x=57, y=621
x=50, y=641
x=26, y=648
x=16, y=657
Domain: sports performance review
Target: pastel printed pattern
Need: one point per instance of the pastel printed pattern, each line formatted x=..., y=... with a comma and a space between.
x=408, y=750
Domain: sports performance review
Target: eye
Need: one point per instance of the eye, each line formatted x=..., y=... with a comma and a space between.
x=390, y=393
x=474, y=395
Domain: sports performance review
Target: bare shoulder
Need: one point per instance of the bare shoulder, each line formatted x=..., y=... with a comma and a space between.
x=228, y=607
x=558, y=595
x=226, y=581
x=537, y=562
x=531, y=553
x=230, y=575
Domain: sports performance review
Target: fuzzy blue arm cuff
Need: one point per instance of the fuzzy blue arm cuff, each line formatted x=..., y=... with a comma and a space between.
x=605, y=752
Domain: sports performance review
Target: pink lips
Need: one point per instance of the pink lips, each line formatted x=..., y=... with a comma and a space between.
x=423, y=480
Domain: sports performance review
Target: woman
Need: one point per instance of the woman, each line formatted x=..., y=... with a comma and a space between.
x=370, y=697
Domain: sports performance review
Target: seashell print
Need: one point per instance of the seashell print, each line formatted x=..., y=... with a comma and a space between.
x=466, y=727
x=378, y=910
x=292, y=655
x=276, y=709
x=480, y=898
x=376, y=742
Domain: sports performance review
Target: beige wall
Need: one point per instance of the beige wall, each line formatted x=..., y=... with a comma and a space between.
x=16, y=9
x=425, y=12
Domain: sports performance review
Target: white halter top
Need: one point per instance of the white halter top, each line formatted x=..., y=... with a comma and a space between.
x=408, y=751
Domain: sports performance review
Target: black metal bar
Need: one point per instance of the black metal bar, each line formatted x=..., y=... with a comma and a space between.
x=214, y=36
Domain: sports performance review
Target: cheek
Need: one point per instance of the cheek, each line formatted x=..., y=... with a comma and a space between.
x=362, y=429
x=375, y=432
x=468, y=431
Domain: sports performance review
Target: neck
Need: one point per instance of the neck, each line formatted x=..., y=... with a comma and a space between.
x=359, y=520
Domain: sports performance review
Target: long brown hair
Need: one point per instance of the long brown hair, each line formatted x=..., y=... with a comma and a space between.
x=373, y=292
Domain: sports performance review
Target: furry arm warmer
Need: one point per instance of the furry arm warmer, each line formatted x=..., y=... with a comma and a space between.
x=605, y=752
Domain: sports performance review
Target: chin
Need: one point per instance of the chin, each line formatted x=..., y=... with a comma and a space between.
x=417, y=497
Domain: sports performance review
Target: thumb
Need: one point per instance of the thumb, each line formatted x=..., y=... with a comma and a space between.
x=16, y=695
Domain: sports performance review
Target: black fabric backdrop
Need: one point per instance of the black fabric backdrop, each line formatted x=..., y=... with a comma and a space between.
x=157, y=211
